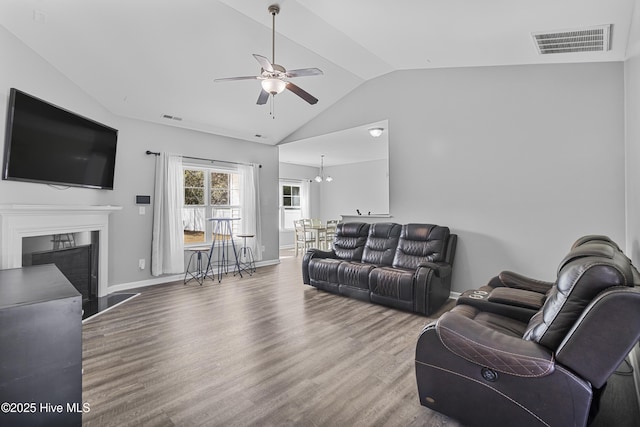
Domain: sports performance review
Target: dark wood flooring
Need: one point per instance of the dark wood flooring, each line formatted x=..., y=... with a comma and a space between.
x=264, y=350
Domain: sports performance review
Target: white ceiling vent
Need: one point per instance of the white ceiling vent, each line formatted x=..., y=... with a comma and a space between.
x=592, y=39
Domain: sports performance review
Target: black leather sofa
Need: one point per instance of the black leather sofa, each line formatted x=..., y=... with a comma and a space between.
x=401, y=266
x=547, y=371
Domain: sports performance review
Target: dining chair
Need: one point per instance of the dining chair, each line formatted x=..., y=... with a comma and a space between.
x=321, y=231
x=330, y=233
x=303, y=237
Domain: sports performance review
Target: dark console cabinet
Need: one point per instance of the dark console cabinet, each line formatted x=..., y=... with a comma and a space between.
x=40, y=348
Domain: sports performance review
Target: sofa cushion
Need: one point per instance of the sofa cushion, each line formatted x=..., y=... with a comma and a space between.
x=348, y=244
x=324, y=269
x=379, y=250
x=420, y=243
x=394, y=283
x=382, y=243
x=351, y=273
x=323, y=273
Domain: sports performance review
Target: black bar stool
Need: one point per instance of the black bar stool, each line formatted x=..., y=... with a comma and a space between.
x=223, y=232
x=246, y=260
x=198, y=274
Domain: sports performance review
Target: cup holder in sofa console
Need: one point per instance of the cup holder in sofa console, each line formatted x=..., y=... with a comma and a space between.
x=477, y=294
x=485, y=301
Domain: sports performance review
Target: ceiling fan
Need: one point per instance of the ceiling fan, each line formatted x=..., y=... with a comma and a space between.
x=273, y=75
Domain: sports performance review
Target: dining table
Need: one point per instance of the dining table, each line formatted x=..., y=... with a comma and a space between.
x=316, y=230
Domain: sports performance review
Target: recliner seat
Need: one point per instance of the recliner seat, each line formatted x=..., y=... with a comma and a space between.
x=321, y=269
x=418, y=278
x=379, y=250
x=544, y=372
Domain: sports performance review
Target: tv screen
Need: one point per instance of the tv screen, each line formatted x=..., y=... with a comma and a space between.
x=48, y=144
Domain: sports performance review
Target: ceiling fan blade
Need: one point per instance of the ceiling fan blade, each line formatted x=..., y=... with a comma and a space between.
x=263, y=97
x=229, y=79
x=302, y=93
x=264, y=63
x=304, y=72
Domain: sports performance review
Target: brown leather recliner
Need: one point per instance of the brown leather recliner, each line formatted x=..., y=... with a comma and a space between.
x=484, y=369
x=516, y=295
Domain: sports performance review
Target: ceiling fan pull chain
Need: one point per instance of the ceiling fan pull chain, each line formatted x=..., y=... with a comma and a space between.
x=272, y=108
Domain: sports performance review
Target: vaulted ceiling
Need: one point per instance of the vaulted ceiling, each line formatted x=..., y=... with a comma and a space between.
x=147, y=59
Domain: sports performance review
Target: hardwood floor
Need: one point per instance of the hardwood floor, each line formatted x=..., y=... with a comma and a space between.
x=262, y=350
x=265, y=350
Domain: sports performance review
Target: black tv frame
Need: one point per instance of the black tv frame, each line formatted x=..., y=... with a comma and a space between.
x=9, y=141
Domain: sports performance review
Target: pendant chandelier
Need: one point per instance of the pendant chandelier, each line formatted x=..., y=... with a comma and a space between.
x=321, y=177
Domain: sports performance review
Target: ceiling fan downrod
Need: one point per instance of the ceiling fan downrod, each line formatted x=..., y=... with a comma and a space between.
x=274, y=9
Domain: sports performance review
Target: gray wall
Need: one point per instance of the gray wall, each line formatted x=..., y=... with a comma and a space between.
x=130, y=233
x=518, y=160
x=363, y=186
x=632, y=98
x=632, y=138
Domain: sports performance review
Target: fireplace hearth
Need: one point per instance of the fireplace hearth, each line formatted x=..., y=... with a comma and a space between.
x=75, y=255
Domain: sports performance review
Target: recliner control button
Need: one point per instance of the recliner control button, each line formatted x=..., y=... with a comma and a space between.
x=489, y=374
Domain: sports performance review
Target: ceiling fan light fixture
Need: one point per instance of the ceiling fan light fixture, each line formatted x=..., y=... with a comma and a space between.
x=273, y=86
x=318, y=178
x=328, y=179
x=375, y=132
x=272, y=75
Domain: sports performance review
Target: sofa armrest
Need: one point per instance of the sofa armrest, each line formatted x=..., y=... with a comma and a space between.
x=432, y=289
x=486, y=347
x=451, y=248
x=308, y=256
x=317, y=253
x=518, y=281
x=440, y=269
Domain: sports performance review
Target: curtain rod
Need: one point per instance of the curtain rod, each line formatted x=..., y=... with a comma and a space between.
x=295, y=180
x=148, y=152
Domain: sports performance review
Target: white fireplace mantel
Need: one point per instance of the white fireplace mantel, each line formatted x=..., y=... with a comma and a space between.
x=19, y=221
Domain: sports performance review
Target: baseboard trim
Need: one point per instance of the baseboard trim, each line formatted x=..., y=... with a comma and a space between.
x=167, y=279
x=454, y=295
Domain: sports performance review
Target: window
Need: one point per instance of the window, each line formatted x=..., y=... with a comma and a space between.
x=209, y=193
x=290, y=204
x=291, y=196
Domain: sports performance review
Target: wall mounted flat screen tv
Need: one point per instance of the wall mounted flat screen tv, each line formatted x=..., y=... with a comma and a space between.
x=48, y=144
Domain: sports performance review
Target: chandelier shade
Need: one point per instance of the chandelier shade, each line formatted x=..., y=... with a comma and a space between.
x=273, y=86
x=321, y=177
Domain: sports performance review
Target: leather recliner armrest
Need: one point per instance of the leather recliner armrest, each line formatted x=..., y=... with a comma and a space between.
x=317, y=253
x=440, y=269
x=519, y=281
x=488, y=348
x=308, y=256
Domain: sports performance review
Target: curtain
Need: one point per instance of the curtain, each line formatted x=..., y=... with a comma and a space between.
x=305, y=197
x=167, y=245
x=251, y=218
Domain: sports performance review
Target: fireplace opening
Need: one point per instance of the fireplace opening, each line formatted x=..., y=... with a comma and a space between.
x=75, y=255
